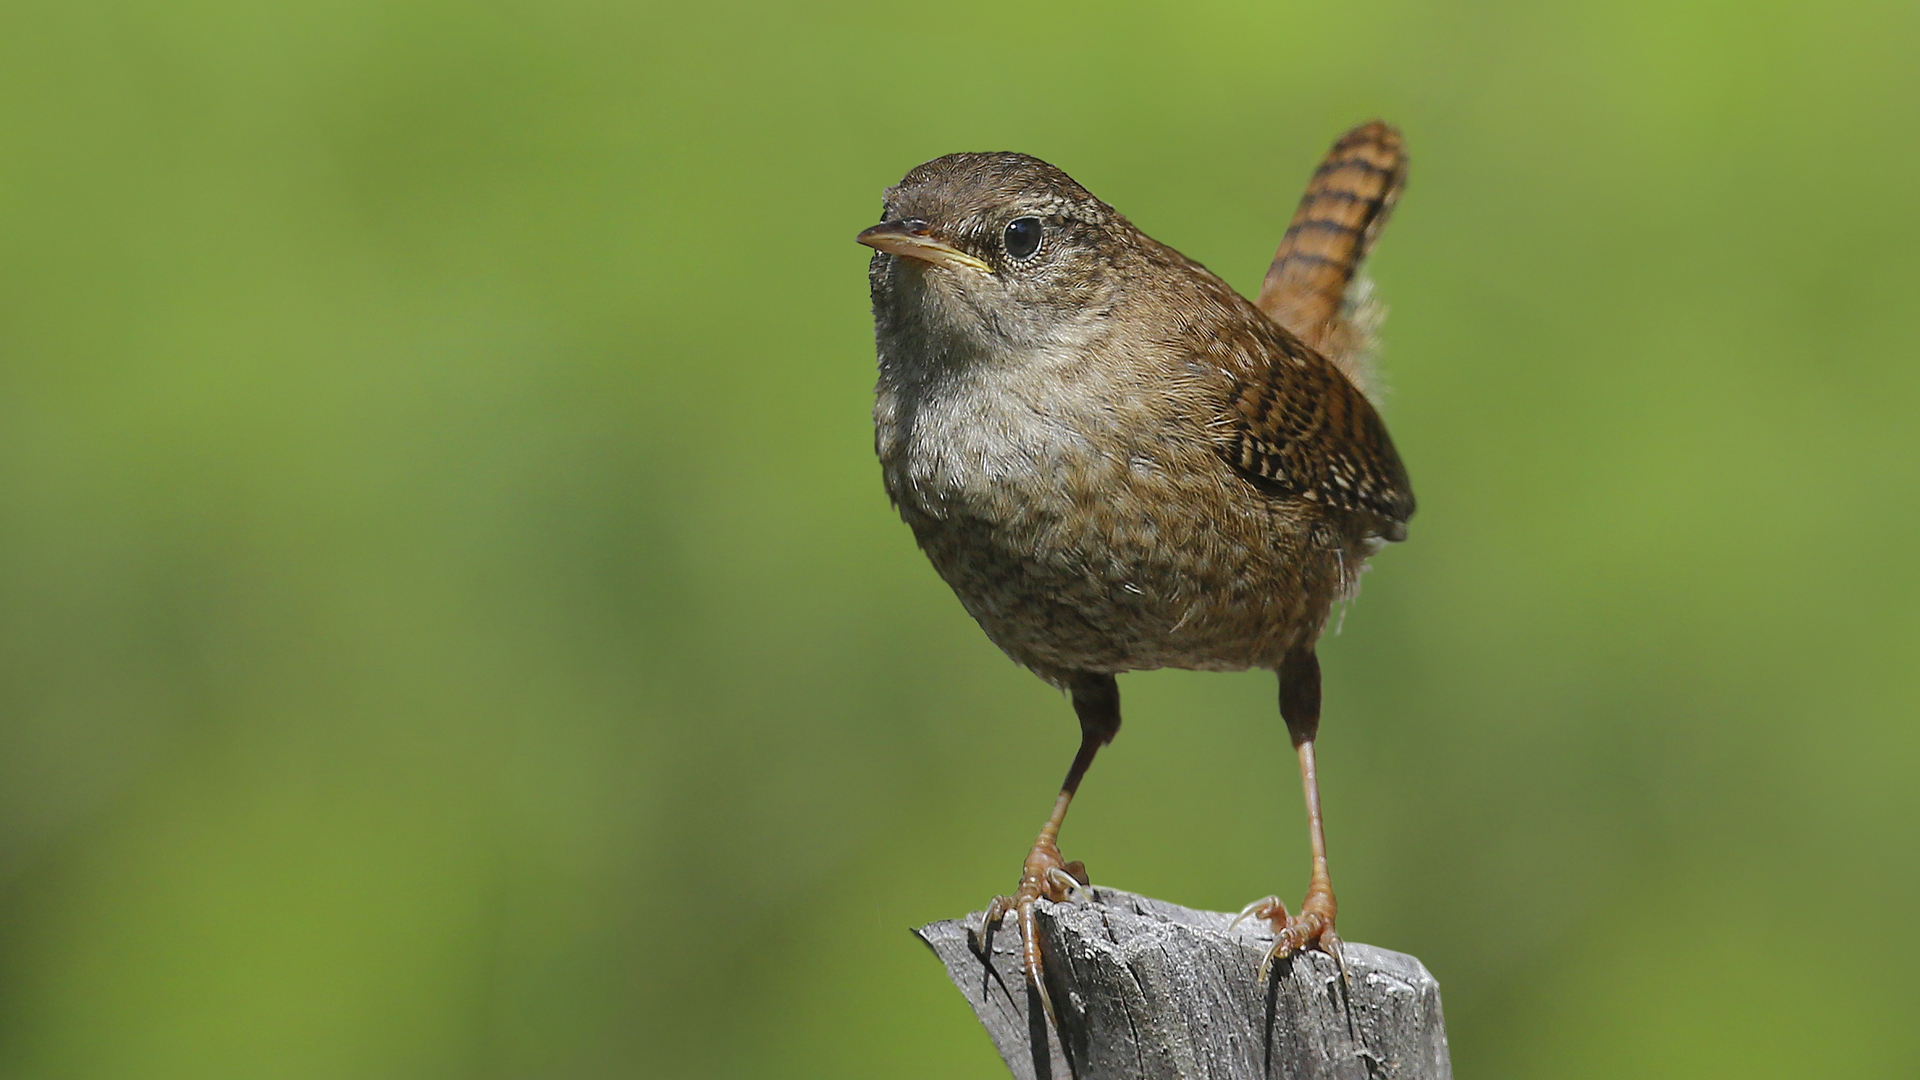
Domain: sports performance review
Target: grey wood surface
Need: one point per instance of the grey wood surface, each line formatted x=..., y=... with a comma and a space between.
x=1147, y=990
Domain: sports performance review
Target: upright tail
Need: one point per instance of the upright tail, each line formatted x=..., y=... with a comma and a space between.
x=1308, y=287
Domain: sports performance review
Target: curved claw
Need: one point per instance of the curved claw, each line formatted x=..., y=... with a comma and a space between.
x=1264, y=908
x=1075, y=889
x=1266, y=964
x=1331, y=944
x=998, y=909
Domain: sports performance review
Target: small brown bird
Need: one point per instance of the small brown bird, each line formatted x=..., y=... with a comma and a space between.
x=1119, y=463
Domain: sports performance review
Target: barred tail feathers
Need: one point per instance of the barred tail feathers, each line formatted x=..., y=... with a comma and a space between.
x=1311, y=289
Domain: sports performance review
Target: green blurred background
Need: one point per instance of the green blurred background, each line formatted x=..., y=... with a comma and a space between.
x=451, y=626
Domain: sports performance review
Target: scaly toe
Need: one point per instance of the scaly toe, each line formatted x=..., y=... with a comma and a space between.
x=1030, y=960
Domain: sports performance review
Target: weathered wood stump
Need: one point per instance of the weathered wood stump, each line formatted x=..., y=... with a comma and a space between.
x=1146, y=990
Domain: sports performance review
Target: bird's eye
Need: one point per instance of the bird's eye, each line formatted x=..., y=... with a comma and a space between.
x=1023, y=237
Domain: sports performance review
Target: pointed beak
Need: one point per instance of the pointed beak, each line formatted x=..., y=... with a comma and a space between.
x=909, y=238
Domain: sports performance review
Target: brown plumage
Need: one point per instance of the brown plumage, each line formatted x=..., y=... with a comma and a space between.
x=1345, y=206
x=1118, y=462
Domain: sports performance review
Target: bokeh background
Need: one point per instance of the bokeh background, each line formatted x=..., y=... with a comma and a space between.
x=451, y=626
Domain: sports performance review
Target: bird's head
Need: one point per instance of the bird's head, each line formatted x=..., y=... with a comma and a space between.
x=987, y=252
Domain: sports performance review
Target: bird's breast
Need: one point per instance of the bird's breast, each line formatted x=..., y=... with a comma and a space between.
x=1002, y=447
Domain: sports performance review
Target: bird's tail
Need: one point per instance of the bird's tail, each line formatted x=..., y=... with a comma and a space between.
x=1311, y=288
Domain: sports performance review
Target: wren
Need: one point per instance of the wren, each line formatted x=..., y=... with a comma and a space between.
x=1119, y=463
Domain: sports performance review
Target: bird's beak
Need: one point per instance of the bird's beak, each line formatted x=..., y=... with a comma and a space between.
x=910, y=238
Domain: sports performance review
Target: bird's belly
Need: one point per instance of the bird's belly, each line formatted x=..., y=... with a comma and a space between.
x=1075, y=557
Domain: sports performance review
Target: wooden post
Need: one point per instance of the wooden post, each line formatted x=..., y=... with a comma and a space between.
x=1145, y=990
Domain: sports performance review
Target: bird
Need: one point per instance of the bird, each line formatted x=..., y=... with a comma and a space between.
x=1118, y=463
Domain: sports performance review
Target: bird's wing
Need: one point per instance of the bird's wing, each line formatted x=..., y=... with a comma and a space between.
x=1294, y=426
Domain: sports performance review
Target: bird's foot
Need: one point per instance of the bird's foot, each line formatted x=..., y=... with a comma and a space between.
x=1311, y=929
x=1045, y=875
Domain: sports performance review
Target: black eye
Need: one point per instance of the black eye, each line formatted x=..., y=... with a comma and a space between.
x=1023, y=237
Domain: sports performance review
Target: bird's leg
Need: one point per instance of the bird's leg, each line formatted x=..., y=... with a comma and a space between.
x=1313, y=926
x=1096, y=698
